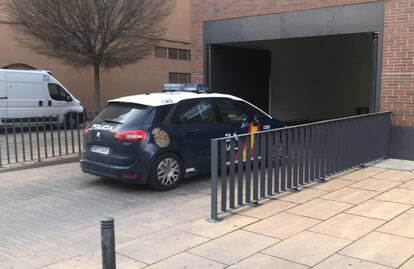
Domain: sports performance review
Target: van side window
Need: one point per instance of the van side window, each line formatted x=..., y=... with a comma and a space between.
x=57, y=93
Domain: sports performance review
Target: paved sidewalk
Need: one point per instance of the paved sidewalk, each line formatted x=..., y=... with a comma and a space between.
x=361, y=219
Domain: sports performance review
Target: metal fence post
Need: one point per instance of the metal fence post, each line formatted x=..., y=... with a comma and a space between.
x=108, y=243
x=214, y=173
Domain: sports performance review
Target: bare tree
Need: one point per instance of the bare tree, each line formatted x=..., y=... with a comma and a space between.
x=98, y=33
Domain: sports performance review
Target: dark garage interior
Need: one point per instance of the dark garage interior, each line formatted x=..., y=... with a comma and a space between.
x=299, y=80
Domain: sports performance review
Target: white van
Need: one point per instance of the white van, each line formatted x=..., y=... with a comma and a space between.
x=34, y=94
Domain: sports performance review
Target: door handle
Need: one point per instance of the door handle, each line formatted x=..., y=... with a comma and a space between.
x=40, y=103
x=49, y=103
x=3, y=97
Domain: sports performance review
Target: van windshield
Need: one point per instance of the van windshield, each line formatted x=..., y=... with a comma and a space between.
x=123, y=113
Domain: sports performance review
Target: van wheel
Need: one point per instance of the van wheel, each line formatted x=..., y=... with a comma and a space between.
x=71, y=121
x=166, y=172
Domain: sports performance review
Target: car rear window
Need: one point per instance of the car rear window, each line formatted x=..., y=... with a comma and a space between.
x=124, y=113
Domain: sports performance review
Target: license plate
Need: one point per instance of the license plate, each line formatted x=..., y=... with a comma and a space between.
x=100, y=150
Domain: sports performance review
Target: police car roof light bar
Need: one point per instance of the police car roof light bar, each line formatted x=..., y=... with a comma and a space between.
x=186, y=87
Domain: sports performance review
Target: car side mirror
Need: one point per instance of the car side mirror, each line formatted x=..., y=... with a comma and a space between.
x=68, y=98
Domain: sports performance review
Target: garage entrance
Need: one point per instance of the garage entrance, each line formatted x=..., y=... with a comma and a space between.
x=300, y=66
x=300, y=80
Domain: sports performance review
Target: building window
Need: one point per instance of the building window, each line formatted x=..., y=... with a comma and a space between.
x=179, y=77
x=161, y=52
x=173, y=54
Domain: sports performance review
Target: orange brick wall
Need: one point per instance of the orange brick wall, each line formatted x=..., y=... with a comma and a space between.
x=397, y=89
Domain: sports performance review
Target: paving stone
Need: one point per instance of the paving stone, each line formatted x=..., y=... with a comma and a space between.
x=407, y=185
x=350, y=195
x=409, y=264
x=155, y=247
x=396, y=175
x=375, y=184
x=363, y=173
x=265, y=261
x=319, y=209
x=302, y=196
x=282, y=225
x=212, y=230
x=343, y=262
x=378, y=209
x=402, y=225
x=332, y=184
x=347, y=226
x=398, y=195
x=381, y=248
x=234, y=247
x=396, y=164
x=94, y=261
x=266, y=209
x=307, y=248
x=186, y=261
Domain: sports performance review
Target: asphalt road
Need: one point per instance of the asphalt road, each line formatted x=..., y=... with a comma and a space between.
x=52, y=213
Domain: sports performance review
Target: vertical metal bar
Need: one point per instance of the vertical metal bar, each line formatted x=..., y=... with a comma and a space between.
x=108, y=243
x=329, y=148
x=214, y=177
x=30, y=138
x=23, y=141
x=58, y=134
x=323, y=151
x=72, y=136
x=78, y=125
x=277, y=162
x=301, y=155
x=1, y=155
x=15, y=141
x=232, y=173
x=271, y=155
x=44, y=136
x=65, y=127
x=248, y=168
x=223, y=152
x=6, y=133
x=240, y=164
x=255, y=168
x=263, y=158
x=295, y=157
x=313, y=154
x=307, y=155
x=52, y=137
x=283, y=161
x=289, y=159
x=39, y=158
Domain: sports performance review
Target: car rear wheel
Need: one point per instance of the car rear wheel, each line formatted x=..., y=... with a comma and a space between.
x=166, y=172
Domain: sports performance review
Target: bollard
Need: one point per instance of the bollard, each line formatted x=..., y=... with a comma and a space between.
x=108, y=243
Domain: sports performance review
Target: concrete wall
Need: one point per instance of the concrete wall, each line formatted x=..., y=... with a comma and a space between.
x=320, y=78
x=145, y=76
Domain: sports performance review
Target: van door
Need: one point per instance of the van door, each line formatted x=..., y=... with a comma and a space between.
x=3, y=99
x=26, y=95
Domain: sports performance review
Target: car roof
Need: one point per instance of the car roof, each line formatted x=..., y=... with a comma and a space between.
x=166, y=98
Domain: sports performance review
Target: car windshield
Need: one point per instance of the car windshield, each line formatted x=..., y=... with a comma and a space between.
x=123, y=113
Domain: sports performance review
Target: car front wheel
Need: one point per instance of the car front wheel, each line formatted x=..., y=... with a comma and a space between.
x=166, y=172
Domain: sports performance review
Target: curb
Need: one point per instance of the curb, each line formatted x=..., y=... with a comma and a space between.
x=43, y=163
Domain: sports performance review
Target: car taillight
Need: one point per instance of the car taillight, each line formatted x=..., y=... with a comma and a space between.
x=131, y=135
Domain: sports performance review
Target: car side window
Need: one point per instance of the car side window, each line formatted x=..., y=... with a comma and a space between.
x=195, y=111
x=253, y=112
x=230, y=111
x=57, y=93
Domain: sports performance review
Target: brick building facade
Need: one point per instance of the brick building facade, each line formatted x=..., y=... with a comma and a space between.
x=396, y=54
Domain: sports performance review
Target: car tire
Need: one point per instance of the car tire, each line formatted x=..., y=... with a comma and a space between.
x=166, y=172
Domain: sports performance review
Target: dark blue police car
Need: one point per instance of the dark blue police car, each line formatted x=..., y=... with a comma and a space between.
x=159, y=138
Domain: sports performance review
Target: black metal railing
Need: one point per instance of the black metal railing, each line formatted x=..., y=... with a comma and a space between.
x=36, y=139
x=251, y=167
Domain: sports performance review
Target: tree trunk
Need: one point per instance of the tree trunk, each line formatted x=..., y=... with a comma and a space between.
x=96, y=69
